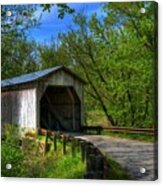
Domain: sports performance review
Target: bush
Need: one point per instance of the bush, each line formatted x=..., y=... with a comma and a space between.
x=11, y=153
x=27, y=161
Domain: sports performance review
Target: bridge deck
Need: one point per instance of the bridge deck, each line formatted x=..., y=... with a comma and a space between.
x=131, y=154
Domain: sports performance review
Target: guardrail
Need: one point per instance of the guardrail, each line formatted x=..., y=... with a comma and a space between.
x=99, y=129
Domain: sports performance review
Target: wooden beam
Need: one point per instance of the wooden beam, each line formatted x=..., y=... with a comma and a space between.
x=73, y=106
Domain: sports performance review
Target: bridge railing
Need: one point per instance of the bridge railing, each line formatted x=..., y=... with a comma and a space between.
x=99, y=129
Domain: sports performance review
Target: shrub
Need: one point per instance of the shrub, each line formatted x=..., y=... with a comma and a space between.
x=11, y=152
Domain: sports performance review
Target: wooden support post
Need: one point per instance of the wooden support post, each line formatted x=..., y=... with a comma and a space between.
x=77, y=144
x=55, y=141
x=46, y=142
x=106, y=170
x=99, y=163
x=88, y=152
x=73, y=147
x=64, y=144
x=92, y=162
x=82, y=146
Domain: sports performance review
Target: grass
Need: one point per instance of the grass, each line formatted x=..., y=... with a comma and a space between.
x=28, y=162
x=57, y=165
x=116, y=172
x=97, y=117
x=140, y=137
x=67, y=167
x=63, y=166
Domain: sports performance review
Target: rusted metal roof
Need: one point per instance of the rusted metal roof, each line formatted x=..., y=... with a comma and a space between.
x=36, y=76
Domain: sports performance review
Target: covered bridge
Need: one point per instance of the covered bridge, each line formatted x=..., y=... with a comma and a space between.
x=50, y=99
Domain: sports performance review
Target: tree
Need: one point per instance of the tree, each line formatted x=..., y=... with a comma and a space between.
x=115, y=55
x=62, y=9
x=51, y=55
x=18, y=54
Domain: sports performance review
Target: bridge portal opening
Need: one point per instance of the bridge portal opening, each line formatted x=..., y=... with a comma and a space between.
x=60, y=109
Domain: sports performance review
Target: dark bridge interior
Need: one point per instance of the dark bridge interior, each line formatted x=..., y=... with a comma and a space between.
x=60, y=109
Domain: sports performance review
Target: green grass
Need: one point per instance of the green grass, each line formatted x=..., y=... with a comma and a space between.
x=30, y=163
x=140, y=137
x=67, y=167
x=57, y=165
x=116, y=172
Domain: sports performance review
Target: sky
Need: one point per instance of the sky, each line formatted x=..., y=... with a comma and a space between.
x=50, y=25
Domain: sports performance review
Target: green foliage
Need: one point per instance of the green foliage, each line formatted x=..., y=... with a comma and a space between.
x=61, y=168
x=140, y=137
x=11, y=153
x=27, y=161
x=21, y=19
x=18, y=55
x=115, y=55
x=52, y=55
x=116, y=172
x=62, y=9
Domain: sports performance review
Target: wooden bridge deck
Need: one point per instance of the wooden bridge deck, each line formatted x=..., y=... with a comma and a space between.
x=131, y=154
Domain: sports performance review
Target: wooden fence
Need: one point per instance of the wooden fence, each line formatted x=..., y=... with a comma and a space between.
x=96, y=163
x=99, y=129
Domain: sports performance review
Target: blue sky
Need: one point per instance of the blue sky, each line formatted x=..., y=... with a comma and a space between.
x=51, y=25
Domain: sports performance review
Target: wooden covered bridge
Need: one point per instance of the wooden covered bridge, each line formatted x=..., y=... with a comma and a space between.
x=50, y=99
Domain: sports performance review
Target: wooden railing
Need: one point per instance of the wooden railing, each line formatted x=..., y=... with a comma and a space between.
x=96, y=163
x=99, y=129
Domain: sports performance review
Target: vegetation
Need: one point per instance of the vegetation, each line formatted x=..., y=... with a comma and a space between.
x=115, y=57
x=28, y=162
x=116, y=172
x=11, y=153
x=66, y=167
x=140, y=137
x=113, y=53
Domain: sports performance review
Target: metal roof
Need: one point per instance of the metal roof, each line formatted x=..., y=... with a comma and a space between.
x=35, y=76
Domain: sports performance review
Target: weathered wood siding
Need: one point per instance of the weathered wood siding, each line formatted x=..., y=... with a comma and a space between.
x=19, y=107
x=61, y=78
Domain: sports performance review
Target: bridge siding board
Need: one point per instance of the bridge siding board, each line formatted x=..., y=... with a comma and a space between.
x=19, y=107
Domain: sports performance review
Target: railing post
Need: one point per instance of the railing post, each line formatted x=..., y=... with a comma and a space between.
x=46, y=142
x=64, y=144
x=55, y=141
x=83, y=154
x=73, y=146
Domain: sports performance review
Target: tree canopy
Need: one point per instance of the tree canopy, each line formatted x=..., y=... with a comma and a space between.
x=116, y=54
